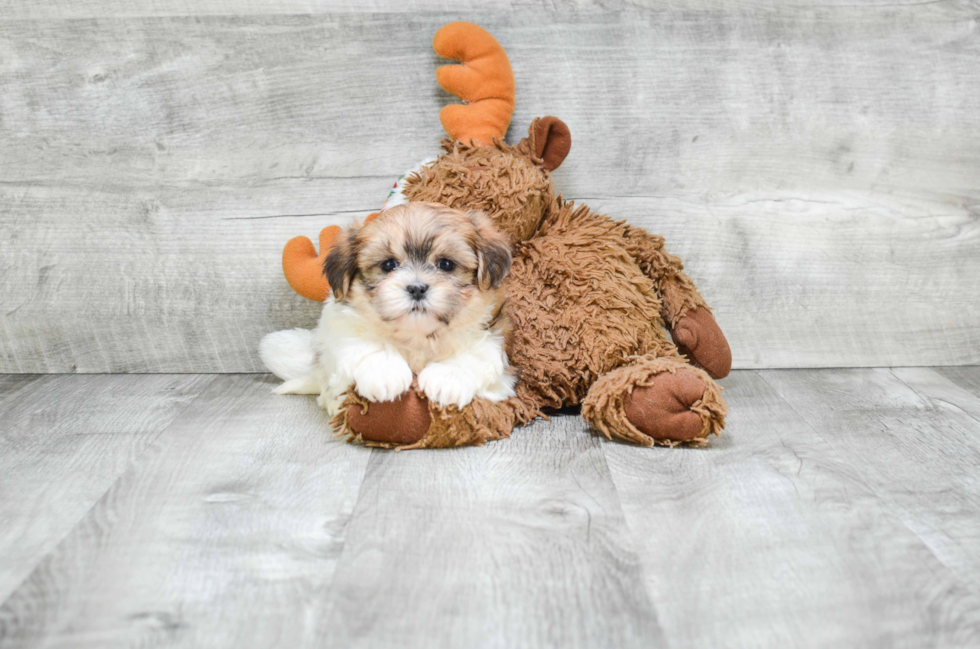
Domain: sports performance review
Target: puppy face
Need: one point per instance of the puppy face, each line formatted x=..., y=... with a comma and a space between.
x=419, y=266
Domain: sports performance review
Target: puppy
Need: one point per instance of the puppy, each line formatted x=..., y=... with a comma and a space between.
x=417, y=291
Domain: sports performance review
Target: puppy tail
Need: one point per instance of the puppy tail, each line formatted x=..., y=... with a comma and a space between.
x=288, y=354
x=307, y=385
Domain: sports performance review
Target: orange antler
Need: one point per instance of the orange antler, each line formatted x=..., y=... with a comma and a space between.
x=303, y=267
x=484, y=81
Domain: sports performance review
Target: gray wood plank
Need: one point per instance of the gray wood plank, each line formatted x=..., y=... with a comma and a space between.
x=64, y=440
x=225, y=533
x=13, y=385
x=967, y=378
x=21, y=9
x=519, y=543
x=26, y=9
x=918, y=450
x=771, y=537
x=151, y=166
x=839, y=509
x=957, y=390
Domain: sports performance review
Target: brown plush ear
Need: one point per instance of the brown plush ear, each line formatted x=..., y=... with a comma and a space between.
x=493, y=252
x=552, y=141
x=340, y=266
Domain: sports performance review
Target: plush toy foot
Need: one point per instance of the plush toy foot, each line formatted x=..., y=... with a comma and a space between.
x=699, y=337
x=412, y=421
x=400, y=422
x=656, y=401
x=662, y=409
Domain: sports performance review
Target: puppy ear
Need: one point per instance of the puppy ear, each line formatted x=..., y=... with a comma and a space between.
x=493, y=252
x=340, y=266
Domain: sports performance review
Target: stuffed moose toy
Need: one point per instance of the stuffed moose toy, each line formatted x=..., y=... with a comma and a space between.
x=590, y=298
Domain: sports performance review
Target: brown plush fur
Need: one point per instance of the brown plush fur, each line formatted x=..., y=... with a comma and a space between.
x=499, y=180
x=606, y=405
x=589, y=299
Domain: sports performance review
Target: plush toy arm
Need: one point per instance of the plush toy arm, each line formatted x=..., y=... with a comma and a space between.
x=698, y=336
x=677, y=291
x=686, y=314
x=484, y=81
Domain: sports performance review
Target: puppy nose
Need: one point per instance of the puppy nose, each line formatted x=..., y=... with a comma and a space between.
x=417, y=291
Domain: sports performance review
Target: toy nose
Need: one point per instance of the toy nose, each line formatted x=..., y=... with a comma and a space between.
x=417, y=291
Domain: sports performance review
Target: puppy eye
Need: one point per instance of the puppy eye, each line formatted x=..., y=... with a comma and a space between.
x=446, y=265
x=389, y=265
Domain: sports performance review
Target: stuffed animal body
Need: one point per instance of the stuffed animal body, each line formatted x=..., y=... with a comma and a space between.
x=603, y=317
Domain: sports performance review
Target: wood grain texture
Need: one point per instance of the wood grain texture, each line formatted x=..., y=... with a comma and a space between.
x=515, y=544
x=916, y=438
x=226, y=533
x=839, y=509
x=967, y=378
x=20, y=9
x=64, y=440
x=773, y=536
x=815, y=168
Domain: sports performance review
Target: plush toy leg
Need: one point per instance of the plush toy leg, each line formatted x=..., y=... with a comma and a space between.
x=684, y=311
x=412, y=421
x=656, y=401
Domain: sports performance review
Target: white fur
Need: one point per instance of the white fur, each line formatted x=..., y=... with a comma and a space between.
x=345, y=356
x=379, y=336
x=480, y=371
x=288, y=354
x=345, y=349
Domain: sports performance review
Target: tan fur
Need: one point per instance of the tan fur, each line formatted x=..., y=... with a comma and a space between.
x=588, y=297
x=469, y=299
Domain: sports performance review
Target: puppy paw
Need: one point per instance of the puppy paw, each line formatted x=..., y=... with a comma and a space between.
x=329, y=403
x=382, y=376
x=448, y=384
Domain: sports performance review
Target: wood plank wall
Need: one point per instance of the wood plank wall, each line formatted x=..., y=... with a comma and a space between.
x=817, y=167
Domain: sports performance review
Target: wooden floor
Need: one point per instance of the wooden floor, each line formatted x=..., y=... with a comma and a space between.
x=840, y=509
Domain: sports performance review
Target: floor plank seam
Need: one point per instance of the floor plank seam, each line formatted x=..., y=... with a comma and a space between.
x=132, y=464
x=350, y=519
x=925, y=397
x=634, y=545
x=886, y=502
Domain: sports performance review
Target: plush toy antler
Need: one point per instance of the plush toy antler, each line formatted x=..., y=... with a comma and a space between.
x=484, y=81
x=303, y=267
